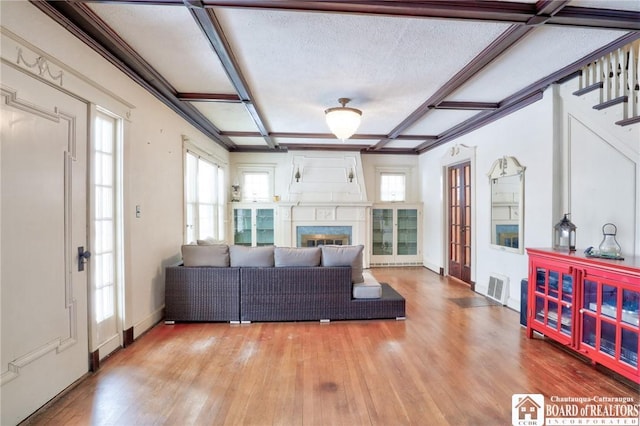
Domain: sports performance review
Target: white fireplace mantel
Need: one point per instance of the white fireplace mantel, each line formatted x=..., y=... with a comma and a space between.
x=354, y=214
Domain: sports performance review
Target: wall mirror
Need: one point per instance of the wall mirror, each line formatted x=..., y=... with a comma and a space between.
x=506, y=179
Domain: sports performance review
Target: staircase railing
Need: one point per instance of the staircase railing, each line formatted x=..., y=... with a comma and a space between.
x=616, y=77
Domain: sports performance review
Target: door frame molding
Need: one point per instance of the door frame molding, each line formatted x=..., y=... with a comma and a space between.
x=455, y=155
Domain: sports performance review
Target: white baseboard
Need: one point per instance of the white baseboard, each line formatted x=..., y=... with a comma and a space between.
x=432, y=267
x=513, y=304
x=147, y=323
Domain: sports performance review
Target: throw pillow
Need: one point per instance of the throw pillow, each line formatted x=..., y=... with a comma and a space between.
x=209, y=242
x=210, y=255
x=345, y=256
x=297, y=256
x=251, y=256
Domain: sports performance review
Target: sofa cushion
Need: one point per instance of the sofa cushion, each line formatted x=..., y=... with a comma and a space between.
x=216, y=255
x=370, y=288
x=345, y=256
x=297, y=256
x=251, y=256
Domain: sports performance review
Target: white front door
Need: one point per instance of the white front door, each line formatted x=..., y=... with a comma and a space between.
x=44, y=343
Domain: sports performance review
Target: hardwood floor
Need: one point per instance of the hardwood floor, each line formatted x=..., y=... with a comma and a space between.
x=445, y=365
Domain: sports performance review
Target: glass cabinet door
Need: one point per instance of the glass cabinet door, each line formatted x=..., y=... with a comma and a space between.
x=395, y=236
x=610, y=321
x=242, y=232
x=630, y=327
x=407, y=236
x=589, y=305
x=264, y=227
x=382, y=232
x=553, y=294
x=589, y=312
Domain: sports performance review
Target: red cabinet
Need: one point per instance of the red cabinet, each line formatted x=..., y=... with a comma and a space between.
x=589, y=305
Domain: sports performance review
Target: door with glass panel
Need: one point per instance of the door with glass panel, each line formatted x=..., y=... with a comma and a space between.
x=106, y=236
x=243, y=227
x=395, y=235
x=253, y=226
x=383, y=227
x=264, y=227
x=459, y=235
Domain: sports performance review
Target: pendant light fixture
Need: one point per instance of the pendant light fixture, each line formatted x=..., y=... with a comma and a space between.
x=343, y=121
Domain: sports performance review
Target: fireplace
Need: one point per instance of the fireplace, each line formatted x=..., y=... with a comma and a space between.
x=313, y=236
x=313, y=240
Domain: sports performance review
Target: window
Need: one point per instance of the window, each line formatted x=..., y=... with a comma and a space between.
x=255, y=186
x=204, y=198
x=104, y=217
x=392, y=186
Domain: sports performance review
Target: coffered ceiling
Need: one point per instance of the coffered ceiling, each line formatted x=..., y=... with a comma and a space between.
x=258, y=75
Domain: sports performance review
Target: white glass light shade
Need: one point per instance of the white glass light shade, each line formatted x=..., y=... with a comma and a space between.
x=343, y=121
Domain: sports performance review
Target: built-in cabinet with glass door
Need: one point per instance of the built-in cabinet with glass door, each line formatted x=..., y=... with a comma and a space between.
x=395, y=237
x=590, y=305
x=253, y=225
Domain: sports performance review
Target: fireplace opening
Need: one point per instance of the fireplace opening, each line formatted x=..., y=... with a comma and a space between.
x=314, y=240
x=314, y=236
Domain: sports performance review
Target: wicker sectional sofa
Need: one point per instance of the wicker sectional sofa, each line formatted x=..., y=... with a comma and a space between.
x=275, y=293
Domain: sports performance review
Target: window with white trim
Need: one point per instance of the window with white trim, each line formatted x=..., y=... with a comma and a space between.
x=204, y=198
x=392, y=186
x=256, y=186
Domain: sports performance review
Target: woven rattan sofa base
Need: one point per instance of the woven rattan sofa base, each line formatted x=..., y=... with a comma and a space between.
x=202, y=294
x=310, y=293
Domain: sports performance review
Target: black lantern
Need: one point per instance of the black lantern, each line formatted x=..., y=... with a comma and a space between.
x=564, y=236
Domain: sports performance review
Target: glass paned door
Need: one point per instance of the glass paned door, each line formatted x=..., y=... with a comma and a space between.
x=610, y=321
x=242, y=229
x=264, y=227
x=407, y=238
x=382, y=232
x=553, y=292
x=105, y=236
x=459, y=194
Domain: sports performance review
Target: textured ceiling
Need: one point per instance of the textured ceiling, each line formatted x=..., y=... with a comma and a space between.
x=258, y=75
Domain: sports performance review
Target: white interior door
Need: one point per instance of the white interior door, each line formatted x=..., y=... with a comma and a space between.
x=44, y=343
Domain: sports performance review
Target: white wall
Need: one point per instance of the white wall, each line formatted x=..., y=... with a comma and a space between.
x=602, y=164
x=527, y=135
x=152, y=160
x=284, y=170
x=371, y=162
x=577, y=160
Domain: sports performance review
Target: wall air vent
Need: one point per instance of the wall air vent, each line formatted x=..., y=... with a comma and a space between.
x=498, y=288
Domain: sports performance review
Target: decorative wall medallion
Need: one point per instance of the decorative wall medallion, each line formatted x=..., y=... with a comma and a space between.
x=42, y=66
x=325, y=214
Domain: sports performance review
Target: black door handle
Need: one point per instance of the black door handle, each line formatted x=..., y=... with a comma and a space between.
x=83, y=256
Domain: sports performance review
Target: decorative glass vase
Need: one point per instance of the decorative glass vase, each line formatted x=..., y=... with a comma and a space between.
x=609, y=247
